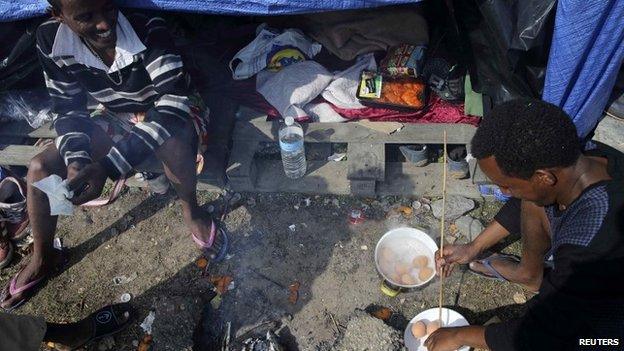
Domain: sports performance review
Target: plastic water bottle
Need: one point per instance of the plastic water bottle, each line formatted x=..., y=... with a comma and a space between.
x=293, y=151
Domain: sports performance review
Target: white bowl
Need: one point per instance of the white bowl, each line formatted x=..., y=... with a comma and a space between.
x=450, y=318
x=409, y=241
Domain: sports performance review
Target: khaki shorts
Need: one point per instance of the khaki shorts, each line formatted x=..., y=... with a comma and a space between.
x=21, y=333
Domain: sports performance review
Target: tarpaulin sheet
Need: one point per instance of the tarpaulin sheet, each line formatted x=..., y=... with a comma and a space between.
x=11, y=10
x=585, y=57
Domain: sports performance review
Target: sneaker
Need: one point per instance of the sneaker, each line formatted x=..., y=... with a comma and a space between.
x=158, y=183
x=13, y=208
x=416, y=154
x=6, y=252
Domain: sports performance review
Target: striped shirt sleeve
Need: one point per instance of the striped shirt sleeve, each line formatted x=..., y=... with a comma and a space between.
x=172, y=108
x=69, y=105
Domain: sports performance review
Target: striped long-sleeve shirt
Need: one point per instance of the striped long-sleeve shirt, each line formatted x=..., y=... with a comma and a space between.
x=146, y=76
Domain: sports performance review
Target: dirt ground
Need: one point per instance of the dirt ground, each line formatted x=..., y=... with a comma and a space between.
x=142, y=237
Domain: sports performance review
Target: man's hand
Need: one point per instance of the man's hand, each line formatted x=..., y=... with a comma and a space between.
x=443, y=339
x=86, y=182
x=453, y=255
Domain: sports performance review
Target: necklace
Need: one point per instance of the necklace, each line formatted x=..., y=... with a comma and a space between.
x=97, y=56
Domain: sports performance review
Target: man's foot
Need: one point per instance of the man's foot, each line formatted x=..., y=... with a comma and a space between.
x=504, y=267
x=501, y=267
x=34, y=271
x=107, y=321
x=209, y=236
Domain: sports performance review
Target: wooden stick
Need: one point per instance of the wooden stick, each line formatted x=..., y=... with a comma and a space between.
x=442, y=228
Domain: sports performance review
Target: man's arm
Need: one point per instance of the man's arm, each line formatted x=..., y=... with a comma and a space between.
x=172, y=109
x=69, y=103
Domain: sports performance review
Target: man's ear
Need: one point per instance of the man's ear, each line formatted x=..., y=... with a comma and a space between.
x=545, y=177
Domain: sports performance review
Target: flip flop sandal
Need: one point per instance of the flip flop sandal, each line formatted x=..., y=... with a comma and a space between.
x=487, y=263
x=217, y=245
x=11, y=289
x=105, y=323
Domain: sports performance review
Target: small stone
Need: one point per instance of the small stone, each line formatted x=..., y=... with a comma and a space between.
x=292, y=227
x=296, y=207
x=336, y=203
x=251, y=202
x=307, y=202
x=519, y=298
x=210, y=209
x=135, y=343
x=416, y=205
x=456, y=206
x=469, y=227
x=364, y=248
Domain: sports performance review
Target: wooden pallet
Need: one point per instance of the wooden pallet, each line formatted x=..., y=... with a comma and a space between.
x=366, y=171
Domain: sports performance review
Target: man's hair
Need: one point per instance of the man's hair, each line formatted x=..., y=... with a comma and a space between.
x=525, y=135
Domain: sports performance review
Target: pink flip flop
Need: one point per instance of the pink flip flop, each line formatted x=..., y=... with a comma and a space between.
x=216, y=248
x=206, y=245
x=13, y=290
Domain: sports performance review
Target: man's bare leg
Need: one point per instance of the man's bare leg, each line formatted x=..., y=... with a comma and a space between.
x=178, y=158
x=535, y=244
x=43, y=225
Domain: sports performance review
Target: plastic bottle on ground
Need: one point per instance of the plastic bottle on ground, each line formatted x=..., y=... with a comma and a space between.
x=293, y=151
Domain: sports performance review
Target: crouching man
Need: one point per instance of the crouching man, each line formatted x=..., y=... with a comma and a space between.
x=575, y=202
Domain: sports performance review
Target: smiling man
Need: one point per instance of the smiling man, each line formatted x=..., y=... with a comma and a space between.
x=121, y=97
x=572, y=200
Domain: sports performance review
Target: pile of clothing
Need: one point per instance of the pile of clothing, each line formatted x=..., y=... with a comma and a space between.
x=292, y=72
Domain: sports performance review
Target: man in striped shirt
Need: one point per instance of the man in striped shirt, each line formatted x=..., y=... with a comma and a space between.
x=125, y=68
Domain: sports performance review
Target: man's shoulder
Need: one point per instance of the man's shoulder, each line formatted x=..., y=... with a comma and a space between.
x=46, y=33
x=142, y=22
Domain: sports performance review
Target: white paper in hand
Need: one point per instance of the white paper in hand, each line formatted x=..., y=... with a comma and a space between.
x=58, y=195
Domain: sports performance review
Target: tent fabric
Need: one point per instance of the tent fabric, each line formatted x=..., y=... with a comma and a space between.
x=585, y=57
x=12, y=10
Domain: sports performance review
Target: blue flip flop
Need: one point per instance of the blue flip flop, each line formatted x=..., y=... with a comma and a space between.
x=487, y=262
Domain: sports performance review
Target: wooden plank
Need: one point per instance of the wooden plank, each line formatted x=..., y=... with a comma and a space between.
x=366, y=161
x=18, y=155
x=241, y=170
x=21, y=128
x=260, y=130
x=323, y=177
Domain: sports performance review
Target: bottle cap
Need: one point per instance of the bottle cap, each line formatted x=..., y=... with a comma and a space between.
x=289, y=121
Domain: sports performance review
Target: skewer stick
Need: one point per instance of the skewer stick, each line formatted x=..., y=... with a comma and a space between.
x=442, y=228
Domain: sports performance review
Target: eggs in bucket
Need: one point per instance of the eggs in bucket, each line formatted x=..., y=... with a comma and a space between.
x=404, y=257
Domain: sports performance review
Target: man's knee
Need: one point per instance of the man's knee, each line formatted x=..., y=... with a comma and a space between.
x=40, y=167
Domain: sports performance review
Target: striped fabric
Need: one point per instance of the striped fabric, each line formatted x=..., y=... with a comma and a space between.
x=150, y=79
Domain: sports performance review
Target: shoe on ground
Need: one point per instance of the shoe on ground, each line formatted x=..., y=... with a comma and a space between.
x=13, y=208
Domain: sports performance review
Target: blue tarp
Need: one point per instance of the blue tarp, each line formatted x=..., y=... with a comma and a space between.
x=585, y=57
x=11, y=10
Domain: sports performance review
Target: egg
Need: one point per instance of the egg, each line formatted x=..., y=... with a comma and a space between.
x=433, y=326
x=394, y=278
x=387, y=254
x=420, y=261
x=408, y=279
x=425, y=273
x=419, y=329
x=402, y=268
